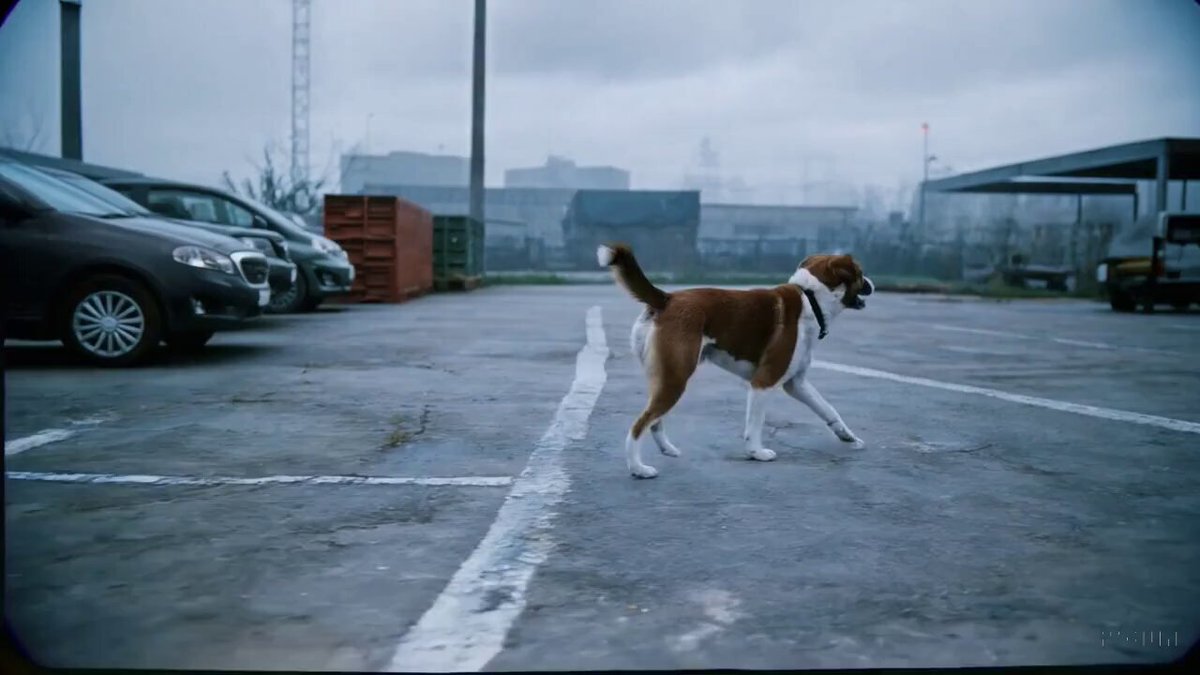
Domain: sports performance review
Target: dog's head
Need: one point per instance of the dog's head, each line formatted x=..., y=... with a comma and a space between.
x=841, y=274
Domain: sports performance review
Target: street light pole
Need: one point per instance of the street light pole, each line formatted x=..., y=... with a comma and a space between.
x=924, y=174
x=477, y=92
x=70, y=81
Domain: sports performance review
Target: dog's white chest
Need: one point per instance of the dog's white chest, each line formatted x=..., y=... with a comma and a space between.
x=806, y=336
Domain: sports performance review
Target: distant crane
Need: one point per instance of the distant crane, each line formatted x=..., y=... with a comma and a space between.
x=301, y=27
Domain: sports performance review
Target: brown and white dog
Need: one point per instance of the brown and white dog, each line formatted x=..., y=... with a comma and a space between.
x=764, y=336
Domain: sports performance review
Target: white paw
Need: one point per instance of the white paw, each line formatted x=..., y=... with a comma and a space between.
x=762, y=454
x=857, y=443
x=643, y=471
x=844, y=434
x=670, y=451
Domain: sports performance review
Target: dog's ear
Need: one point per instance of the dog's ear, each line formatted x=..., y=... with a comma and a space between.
x=845, y=269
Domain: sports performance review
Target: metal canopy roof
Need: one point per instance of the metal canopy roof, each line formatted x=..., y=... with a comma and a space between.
x=1131, y=161
x=1048, y=187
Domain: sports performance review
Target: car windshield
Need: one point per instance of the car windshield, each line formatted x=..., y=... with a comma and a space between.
x=106, y=194
x=56, y=193
x=277, y=218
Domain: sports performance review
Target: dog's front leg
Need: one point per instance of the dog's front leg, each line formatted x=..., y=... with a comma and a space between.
x=756, y=417
x=803, y=391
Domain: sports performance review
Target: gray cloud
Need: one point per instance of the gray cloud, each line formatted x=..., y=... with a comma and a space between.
x=607, y=40
x=200, y=86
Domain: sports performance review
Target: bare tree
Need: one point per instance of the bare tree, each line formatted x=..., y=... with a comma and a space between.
x=26, y=135
x=275, y=187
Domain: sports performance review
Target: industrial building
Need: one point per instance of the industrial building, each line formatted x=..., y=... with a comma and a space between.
x=660, y=225
x=560, y=172
x=403, y=168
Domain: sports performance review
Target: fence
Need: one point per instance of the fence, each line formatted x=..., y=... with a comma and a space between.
x=751, y=255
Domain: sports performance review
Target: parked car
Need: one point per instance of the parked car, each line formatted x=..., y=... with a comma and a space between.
x=111, y=286
x=311, y=222
x=324, y=268
x=282, y=273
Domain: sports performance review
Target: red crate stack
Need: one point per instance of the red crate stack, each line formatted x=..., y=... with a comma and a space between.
x=389, y=241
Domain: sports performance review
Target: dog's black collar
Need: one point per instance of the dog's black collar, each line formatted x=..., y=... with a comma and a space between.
x=816, y=308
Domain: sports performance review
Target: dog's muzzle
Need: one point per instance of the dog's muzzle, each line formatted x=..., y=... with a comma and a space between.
x=867, y=289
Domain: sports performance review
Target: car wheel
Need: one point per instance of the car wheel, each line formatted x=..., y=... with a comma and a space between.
x=110, y=320
x=292, y=300
x=311, y=304
x=189, y=341
x=1122, y=302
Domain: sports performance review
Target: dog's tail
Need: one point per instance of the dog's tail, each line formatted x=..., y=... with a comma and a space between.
x=629, y=274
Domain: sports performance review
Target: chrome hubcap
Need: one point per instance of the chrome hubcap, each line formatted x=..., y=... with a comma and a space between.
x=108, y=324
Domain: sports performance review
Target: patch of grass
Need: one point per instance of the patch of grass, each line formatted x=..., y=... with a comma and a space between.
x=397, y=438
x=994, y=289
x=403, y=429
x=534, y=279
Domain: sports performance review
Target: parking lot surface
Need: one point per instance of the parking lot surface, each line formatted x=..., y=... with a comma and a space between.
x=1027, y=495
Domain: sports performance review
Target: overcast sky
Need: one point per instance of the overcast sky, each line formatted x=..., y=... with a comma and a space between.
x=188, y=88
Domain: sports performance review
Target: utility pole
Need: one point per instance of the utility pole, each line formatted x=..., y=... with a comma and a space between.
x=924, y=175
x=477, y=92
x=70, y=81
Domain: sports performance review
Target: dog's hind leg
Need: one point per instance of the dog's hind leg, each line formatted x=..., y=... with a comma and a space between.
x=660, y=437
x=670, y=361
x=662, y=399
x=803, y=391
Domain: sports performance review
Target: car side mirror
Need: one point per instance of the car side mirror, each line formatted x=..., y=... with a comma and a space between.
x=260, y=222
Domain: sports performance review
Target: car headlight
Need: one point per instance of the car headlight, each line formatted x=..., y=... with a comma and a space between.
x=327, y=246
x=1102, y=272
x=261, y=245
x=204, y=258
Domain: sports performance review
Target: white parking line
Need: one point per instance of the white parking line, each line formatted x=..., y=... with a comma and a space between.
x=1077, y=408
x=142, y=479
x=48, y=436
x=1061, y=341
x=466, y=626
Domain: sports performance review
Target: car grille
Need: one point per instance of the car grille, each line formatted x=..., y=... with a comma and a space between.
x=254, y=268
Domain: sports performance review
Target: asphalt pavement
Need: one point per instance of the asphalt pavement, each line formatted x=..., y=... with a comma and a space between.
x=441, y=485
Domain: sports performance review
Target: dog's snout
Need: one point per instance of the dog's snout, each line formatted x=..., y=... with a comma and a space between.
x=868, y=287
x=859, y=303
